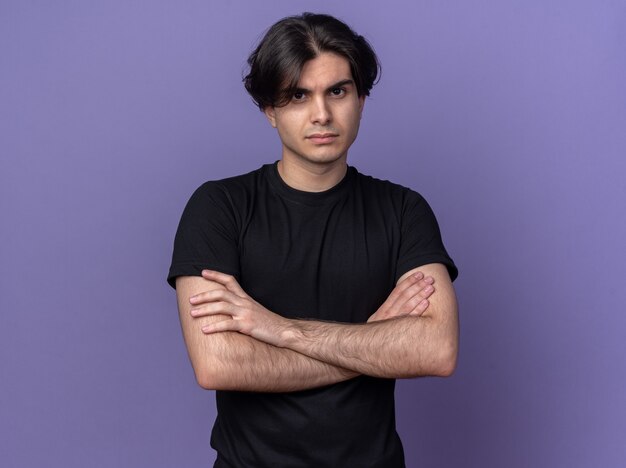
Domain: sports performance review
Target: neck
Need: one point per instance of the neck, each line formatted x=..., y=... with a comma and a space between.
x=310, y=177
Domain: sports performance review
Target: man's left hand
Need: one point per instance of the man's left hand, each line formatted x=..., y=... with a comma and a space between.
x=241, y=313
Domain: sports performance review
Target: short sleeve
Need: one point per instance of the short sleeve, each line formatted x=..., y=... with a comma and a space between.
x=421, y=242
x=207, y=235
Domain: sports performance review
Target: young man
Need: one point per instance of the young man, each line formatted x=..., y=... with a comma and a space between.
x=304, y=287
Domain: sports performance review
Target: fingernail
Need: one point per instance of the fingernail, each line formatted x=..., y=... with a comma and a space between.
x=428, y=289
x=206, y=329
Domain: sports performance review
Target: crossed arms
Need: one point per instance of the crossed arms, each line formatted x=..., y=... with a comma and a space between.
x=234, y=343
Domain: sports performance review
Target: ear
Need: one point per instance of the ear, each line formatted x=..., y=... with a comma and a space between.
x=270, y=113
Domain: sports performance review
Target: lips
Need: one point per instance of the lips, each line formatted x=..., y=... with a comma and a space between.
x=322, y=138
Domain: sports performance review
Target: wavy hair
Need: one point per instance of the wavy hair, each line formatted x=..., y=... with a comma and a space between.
x=277, y=61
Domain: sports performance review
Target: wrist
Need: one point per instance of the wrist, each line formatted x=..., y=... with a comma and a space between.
x=290, y=334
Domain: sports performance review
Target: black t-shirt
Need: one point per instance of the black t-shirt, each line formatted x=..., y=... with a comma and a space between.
x=333, y=255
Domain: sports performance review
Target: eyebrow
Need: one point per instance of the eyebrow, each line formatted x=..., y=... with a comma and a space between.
x=339, y=84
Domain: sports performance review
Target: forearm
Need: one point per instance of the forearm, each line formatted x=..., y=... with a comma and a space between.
x=398, y=348
x=405, y=346
x=233, y=361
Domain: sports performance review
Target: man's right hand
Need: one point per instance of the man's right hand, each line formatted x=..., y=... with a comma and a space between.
x=409, y=297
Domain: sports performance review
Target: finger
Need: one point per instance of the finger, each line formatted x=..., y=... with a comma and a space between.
x=214, y=308
x=395, y=300
x=401, y=288
x=420, y=308
x=406, y=304
x=221, y=326
x=418, y=275
x=214, y=295
x=228, y=281
x=216, y=319
x=418, y=291
x=425, y=290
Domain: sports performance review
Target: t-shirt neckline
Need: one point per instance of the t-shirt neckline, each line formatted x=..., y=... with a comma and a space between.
x=309, y=198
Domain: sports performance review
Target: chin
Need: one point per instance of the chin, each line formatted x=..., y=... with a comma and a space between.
x=326, y=158
x=325, y=161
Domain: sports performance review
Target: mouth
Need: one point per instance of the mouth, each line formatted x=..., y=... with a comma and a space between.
x=322, y=138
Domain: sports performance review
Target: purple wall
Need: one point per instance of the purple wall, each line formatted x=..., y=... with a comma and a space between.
x=510, y=117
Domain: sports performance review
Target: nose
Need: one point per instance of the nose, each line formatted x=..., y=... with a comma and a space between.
x=320, y=112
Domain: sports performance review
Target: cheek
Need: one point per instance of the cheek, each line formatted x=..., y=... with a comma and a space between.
x=288, y=135
x=351, y=117
x=289, y=123
x=353, y=123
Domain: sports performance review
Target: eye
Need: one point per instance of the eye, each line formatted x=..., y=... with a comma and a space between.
x=298, y=96
x=338, y=92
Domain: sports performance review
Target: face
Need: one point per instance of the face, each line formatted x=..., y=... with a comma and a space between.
x=322, y=119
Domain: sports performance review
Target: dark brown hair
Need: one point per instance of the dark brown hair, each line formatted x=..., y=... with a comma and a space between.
x=276, y=63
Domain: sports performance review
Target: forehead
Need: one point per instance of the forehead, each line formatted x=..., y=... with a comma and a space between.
x=324, y=70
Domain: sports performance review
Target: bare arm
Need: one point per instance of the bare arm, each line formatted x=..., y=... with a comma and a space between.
x=234, y=361
x=406, y=346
